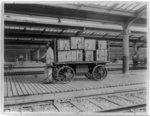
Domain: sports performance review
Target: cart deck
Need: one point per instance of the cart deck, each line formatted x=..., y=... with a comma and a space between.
x=81, y=62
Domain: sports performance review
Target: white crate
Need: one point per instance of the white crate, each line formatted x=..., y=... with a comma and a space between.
x=93, y=44
x=102, y=44
x=77, y=42
x=74, y=55
x=63, y=44
x=61, y=56
x=64, y=56
x=60, y=44
x=88, y=55
x=101, y=55
x=68, y=56
x=89, y=44
x=79, y=55
x=66, y=44
x=103, y=58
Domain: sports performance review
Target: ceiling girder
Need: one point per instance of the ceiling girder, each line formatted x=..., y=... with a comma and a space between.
x=54, y=21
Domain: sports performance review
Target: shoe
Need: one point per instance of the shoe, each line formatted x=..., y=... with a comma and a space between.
x=45, y=82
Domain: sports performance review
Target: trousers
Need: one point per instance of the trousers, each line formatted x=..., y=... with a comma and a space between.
x=48, y=73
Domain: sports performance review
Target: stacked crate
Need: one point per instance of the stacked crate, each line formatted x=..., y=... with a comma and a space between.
x=79, y=55
x=89, y=56
x=77, y=46
x=90, y=46
x=64, y=56
x=71, y=50
x=68, y=53
x=63, y=44
x=77, y=43
x=101, y=53
x=73, y=55
x=64, y=53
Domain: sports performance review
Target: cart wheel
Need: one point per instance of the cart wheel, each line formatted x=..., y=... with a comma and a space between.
x=65, y=74
x=99, y=72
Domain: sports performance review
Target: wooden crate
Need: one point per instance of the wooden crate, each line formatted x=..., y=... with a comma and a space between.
x=61, y=56
x=93, y=44
x=102, y=45
x=90, y=44
x=73, y=55
x=88, y=55
x=60, y=44
x=66, y=44
x=63, y=44
x=101, y=55
x=79, y=55
x=67, y=56
x=64, y=56
x=77, y=42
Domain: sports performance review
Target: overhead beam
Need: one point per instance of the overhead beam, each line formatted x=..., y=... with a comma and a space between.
x=50, y=37
x=138, y=14
x=35, y=45
x=23, y=42
x=64, y=22
x=56, y=20
x=22, y=46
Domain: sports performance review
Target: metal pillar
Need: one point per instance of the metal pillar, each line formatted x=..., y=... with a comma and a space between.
x=126, y=49
x=38, y=55
x=108, y=52
x=126, y=33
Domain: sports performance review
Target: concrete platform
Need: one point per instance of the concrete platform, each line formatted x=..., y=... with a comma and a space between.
x=28, y=88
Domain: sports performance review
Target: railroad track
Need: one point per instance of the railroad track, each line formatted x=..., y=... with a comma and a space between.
x=127, y=101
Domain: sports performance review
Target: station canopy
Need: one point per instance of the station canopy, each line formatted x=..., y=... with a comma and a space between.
x=104, y=20
x=130, y=7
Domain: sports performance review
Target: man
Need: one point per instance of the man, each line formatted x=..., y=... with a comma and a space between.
x=49, y=57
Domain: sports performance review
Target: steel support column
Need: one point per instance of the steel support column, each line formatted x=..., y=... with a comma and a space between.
x=126, y=54
x=126, y=33
x=38, y=54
